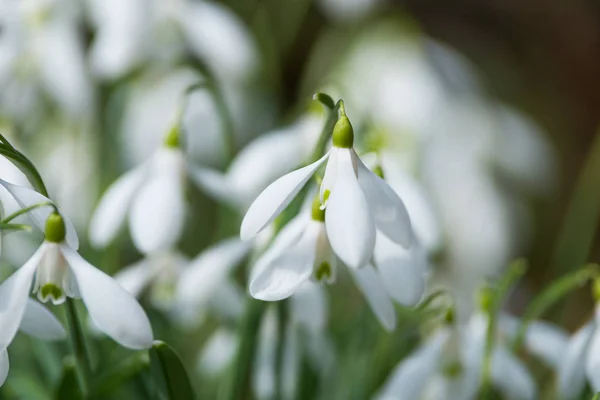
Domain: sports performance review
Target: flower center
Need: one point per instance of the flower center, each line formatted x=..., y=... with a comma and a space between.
x=324, y=272
x=53, y=279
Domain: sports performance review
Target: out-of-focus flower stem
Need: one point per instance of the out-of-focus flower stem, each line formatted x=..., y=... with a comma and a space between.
x=84, y=370
x=282, y=323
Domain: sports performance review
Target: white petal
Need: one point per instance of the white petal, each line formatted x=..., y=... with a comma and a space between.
x=593, y=362
x=39, y=322
x=157, y=215
x=275, y=198
x=27, y=197
x=14, y=293
x=349, y=222
x=110, y=214
x=218, y=352
x=134, y=278
x=263, y=378
x=548, y=342
x=287, y=272
x=511, y=376
x=4, y=366
x=112, y=308
x=388, y=210
x=330, y=175
x=571, y=373
x=402, y=270
x=309, y=307
x=214, y=183
x=372, y=287
x=409, y=379
x=202, y=278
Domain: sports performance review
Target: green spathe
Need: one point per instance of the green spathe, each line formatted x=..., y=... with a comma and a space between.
x=343, y=133
x=55, y=228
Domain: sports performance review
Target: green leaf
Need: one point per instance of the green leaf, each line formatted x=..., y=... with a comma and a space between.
x=169, y=373
x=127, y=370
x=68, y=388
x=324, y=99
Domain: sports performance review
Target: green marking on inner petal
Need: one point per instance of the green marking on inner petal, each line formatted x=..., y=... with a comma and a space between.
x=378, y=171
x=450, y=316
x=326, y=195
x=173, y=138
x=317, y=213
x=324, y=272
x=453, y=369
x=51, y=290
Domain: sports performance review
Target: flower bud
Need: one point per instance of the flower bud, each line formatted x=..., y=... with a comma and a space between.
x=55, y=230
x=343, y=133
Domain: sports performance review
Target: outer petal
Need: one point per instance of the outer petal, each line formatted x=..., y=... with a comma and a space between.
x=27, y=197
x=135, y=277
x=286, y=273
x=208, y=271
x=275, y=198
x=39, y=322
x=214, y=183
x=4, y=366
x=110, y=214
x=511, y=376
x=571, y=373
x=14, y=293
x=111, y=308
x=349, y=222
x=388, y=210
x=593, y=362
x=218, y=352
x=309, y=307
x=157, y=214
x=402, y=271
x=409, y=379
x=370, y=284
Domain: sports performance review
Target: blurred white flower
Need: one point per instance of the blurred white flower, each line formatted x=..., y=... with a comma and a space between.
x=41, y=51
x=448, y=364
x=581, y=361
x=356, y=201
x=151, y=197
x=268, y=157
x=38, y=322
x=133, y=31
x=59, y=271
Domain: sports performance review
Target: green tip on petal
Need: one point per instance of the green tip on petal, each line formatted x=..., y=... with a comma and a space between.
x=317, y=213
x=55, y=228
x=173, y=138
x=378, y=171
x=343, y=133
x=486, y=298
x=323, y=272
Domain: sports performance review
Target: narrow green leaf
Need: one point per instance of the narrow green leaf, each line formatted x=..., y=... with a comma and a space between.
x=324, y=99
x=169, y=373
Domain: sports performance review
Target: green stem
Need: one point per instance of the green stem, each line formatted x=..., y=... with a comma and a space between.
x=25, y=165
x=596, y=396
x=84, y=371
x=14, y=227
x=25, y=211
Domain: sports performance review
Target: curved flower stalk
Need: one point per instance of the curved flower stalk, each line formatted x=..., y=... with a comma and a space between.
x=304, y=337
x=37, y=322
x=268, y=157
x=356, y=201
x=41, y=52
x=133, y=31
x=157, y=185
x=56, y=271
x=448, y=364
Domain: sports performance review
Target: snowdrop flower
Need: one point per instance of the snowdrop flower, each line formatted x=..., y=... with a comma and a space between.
x=151, y=197
x=581, y=361
x=268, y=157
x=356, y=202
x=448, y=364
x=302, y=252
x=56, y=271
x=37, y=322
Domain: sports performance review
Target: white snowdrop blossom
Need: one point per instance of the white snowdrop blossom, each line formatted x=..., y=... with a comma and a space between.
x=37, y=322
x=581, y=361
x=448, y=364
x=56, y=271
x=151, y=197
x=357, y=202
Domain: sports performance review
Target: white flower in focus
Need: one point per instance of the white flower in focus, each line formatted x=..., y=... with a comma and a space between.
x=448, y=364
x=151, y=197
x=356, y=202
x=56, y=271
x=37, y=322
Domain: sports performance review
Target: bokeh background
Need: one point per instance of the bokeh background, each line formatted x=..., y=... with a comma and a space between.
x=491, y=107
